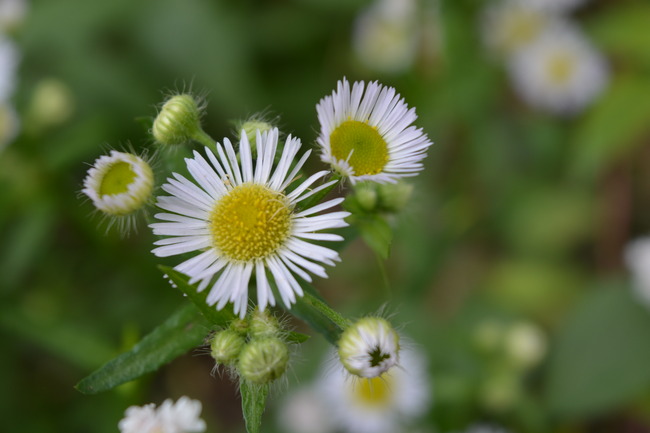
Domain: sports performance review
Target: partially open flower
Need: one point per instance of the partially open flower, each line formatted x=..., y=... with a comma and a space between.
x=369, y=347
x=119, y=184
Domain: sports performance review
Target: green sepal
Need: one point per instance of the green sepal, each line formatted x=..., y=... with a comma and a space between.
x=220, y=318
x=185, y=329
x=253, y=403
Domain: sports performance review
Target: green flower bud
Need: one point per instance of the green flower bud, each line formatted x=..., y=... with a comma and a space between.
x=525, y=344
x=366, y=195
x=393, y=197
x=263, y=360
x=369, y=347
x=179, y=121
x=263, y=324
x=250, y=128
x=226, y=346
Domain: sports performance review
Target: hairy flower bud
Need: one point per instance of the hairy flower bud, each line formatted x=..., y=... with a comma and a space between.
x=263, y=360
x=178, y=122
x=394, y=196
x=263, y=324
x=369, y=347
x=366, y=195
x=226, y=346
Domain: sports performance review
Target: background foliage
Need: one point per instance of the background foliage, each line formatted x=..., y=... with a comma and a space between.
x=519, y=215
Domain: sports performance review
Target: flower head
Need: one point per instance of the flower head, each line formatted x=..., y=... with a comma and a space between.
x=369, y=347
x=119, y=184
x=180, y=417
x=560, y=71
x=509, y=25
x=381, y=404
x=369, y=136
x=242, y=218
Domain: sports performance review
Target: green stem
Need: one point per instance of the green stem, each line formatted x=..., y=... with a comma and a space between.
x=384, y=276
x=327, y=311
x=202, y=137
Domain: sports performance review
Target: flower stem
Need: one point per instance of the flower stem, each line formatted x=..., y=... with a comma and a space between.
x=202, y=137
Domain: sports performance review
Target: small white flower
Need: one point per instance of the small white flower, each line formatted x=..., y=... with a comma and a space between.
x=368, y=136
x=180, y=417
x=637, y=259
x=369, y=347
x=380, y=405
x=304, y=411
x=386, y=35
x=560, y=71
x=242, y=220
x=8, y=64
x=526, y=344
x=119, y=184
x=509, y=25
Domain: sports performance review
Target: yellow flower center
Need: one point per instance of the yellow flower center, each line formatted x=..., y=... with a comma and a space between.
x=368, y=148
x=521, y=28
x=375, y=392
x=250, y=222
x=559, y=68
x=117, y=179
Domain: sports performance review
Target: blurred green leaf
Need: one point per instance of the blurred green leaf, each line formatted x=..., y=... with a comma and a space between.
x=182, y=331
x=219, y=318
x=614, y=126
x=253, y=401
x=601, y=356
x=297, y=337
x=376, y=232
x=623, y=31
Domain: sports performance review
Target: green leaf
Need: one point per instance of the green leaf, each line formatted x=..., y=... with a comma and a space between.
x=602, y=356
x=253, y=401
x=182, y=331
x=316, y=198
x=613, y=127
x=297, y=337
x=219, y=318
x=376, y=232
x=319, y=316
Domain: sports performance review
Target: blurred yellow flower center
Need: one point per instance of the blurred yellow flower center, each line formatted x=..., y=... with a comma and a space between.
x=521, y=27
x=251, y=222
x=361, y=146
x=559, y=68
x=117, y=179
x=374, y=392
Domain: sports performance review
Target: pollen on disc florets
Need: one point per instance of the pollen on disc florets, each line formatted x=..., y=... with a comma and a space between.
x=250, y=222
x=119, y=184
x=361, y=145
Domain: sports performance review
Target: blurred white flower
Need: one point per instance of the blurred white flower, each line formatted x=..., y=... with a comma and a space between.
x=180, y=417
x=12, y=14
x=557, y=6
x=8, y=63
x=560, y=71
x=509, y=25
x=382, y=404
x=525, y=344
x=386, y=35
x=304, y=411
x=637, y=259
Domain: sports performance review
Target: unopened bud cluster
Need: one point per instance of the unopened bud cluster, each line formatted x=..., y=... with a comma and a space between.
x=388, y=197
x=253, y=347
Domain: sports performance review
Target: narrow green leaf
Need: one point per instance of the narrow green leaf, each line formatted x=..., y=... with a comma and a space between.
x=253, y=402
x=297, y=337
x=182, y=331
x=317, y=314
x=219, y=318
x=601, y=357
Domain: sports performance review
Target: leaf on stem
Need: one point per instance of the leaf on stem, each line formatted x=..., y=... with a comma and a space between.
x=253, y=402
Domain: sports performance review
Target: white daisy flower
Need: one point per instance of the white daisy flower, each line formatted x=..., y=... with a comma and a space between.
x=180, y=417
x=369, y=347
x=243, y=220
x=12, y=14
x=382, y=404
x=637, y=260
x=386, y=36
x=119, y=184
x=560, y=71
x=367, y=136
x=304, y=411
x=509, y=25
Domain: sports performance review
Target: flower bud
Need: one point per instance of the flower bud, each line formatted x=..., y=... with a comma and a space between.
x=393, y=197
x=366, y=195
x=250, y=128
x=369, y=347
x=263, y=324
x=119, y=184
x=263, y=360
x=178, y=122
x=226, y=346
x=525, y=344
